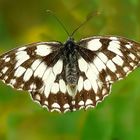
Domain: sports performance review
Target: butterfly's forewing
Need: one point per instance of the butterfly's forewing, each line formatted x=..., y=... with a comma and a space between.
x=20, y=66
x=105, y=60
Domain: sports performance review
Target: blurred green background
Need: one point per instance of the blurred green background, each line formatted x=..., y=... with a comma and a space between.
x=26, y=21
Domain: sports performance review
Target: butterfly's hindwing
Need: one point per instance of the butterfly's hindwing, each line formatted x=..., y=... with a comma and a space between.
x=91, y=85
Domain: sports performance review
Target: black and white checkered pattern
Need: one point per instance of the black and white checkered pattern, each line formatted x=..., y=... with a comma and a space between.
x=70, y=76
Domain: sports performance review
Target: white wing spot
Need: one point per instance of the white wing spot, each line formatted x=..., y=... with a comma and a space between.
x=66, y=106
x=126, y=69
x=47, y=73
x=4, y=70
x=132, y=56
x=35, y=64
x=97, y=98
x=114, y=46
x=13, y=81
x=55, y=88
x=111, y=66
x=132, y=64
x=43, y=50
x=7, y=59
x=88, y=102
x=40, y=70
x=94, y=45
x=113, y=38
x=6, y=77
x=92, y=77
x=46, y=103
x=103, y=57
x=128, y=46
x=118, y=75
x=80, y=83
x=55, y=105
x=108, y=78
x=99, y=64
x=37, y=97
x=118, y=60
x=32, y=87
x=20, y=54
x=62, y=86
x=104, y=91
x=94, y=70
x=48, y=81
x=57, y=68
x=82, y=64
x=73, y=102
x=87, y=85
x=28, y=74
x=81, y=103
x=19, y=71
x=21, y=49
x=21, y=57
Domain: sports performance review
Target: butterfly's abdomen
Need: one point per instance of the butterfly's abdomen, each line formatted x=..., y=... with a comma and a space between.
x=71, y=63
x=71, y=74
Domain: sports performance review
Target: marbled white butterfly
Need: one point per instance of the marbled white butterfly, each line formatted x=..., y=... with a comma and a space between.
x=70, y=76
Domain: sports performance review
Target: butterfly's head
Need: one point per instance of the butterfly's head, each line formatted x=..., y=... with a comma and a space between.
x=70, y=40
x=70, y=43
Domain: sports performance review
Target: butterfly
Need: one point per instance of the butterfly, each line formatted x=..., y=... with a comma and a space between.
x=72, y=75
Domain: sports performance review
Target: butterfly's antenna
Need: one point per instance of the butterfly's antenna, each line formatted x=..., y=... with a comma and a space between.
x=59, y=21
x=89, y=16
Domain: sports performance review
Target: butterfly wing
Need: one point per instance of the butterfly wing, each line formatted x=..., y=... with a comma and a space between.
x=25, y=68
x=21, y=66
x=103, y=61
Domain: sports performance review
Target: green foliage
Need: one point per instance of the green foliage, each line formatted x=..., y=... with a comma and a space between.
x=116, y=118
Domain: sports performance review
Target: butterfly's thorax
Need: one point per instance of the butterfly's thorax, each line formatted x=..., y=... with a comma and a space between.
x=70, y=62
